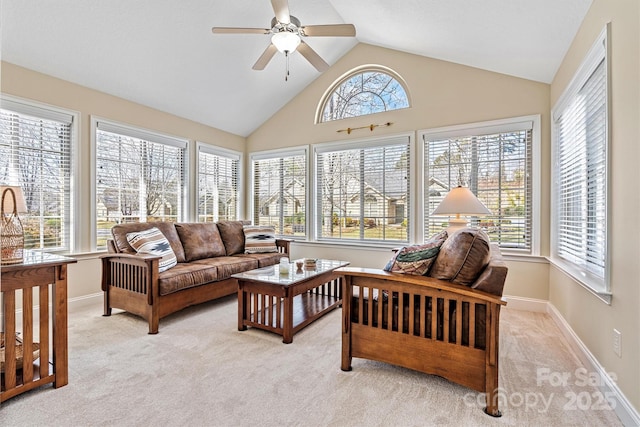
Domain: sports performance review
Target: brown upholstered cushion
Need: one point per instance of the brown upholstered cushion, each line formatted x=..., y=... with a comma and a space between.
x=226, y=265
x=186, y=275
x=232, y=236
x=462, y=257
x=168, y=229
x=264, y=259
x=200, y=240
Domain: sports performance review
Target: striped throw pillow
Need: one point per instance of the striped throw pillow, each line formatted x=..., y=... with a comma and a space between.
x=417, y=259
x=259, y=239
x=153, y=242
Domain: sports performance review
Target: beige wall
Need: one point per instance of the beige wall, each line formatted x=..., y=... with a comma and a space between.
x=591, y=319
x=442, y=94
x=84, y=277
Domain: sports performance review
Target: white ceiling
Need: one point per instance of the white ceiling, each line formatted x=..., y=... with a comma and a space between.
x=161, y=53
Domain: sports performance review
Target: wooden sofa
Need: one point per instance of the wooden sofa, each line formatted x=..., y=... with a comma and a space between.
x=207, y=254
x=427, y=324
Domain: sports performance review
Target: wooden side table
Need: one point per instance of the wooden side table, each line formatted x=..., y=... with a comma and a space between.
x=44, y=275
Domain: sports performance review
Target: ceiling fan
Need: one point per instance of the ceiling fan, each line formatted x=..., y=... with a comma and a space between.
x=286, y=36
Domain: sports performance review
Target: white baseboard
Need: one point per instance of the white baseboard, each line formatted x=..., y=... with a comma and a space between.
x=624, y=409
x=526, y=304
x=84, y=301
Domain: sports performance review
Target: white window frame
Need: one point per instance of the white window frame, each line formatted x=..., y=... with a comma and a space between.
x=140, y=133
x=485, y=128
x=364, y=143
x=370, y=68
x=47, y=111
x=202, y=147
x=276, y=154
x=600, y=51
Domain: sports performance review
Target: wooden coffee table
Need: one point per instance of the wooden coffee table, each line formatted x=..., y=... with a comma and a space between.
x=286, y=303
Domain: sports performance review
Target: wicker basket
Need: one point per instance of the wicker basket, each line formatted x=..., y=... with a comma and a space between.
x=11, y=232
x=19, y=352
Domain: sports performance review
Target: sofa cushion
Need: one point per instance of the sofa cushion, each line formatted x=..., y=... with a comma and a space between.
x=417, y=259
x=462, y=257
x=153, y=242
x=186, y=275
x=264, y=259
x=168, y=229
x=259, y=239
x=232, y=235
x=200, y=240
x=228, y=265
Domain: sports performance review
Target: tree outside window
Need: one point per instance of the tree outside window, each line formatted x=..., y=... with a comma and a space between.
x=364, y=92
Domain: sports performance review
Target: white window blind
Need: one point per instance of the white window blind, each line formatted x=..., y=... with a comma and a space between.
x=362, y=191
x=35, y=153
x=495, y=163
x=139, y=177
x=279, y=191
x=580, y=171
x=218, y=177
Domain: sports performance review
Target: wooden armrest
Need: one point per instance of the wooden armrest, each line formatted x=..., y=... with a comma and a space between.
x=425, y=281
x=146, y=265
x=284, y=243
x=143, y=257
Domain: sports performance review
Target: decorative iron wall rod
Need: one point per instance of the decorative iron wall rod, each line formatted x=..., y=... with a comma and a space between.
x=371, y=127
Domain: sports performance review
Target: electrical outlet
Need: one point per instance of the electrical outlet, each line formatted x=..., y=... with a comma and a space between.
x=617, y=342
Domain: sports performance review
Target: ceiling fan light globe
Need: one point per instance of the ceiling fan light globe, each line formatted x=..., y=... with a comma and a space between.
x=285, y=41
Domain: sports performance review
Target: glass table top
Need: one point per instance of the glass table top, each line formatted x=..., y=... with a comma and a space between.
x=272, y=273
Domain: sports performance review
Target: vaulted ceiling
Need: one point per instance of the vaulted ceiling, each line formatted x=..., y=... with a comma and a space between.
x=162, y=53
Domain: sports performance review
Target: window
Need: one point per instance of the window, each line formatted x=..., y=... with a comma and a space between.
x=362, y=190
x=580, y=141
x=139, y=177
x=218, y=177
x=35, y=153
x=494, y=160
x=368, y=91
x=279, y=191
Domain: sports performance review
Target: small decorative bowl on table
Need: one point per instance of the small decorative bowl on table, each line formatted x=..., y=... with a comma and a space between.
x=309, y=263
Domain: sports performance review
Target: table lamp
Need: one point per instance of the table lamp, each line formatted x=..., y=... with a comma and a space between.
x=460, y=201
x=11, y=232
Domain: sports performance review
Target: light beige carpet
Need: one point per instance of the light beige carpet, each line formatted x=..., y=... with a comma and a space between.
x=201, y=371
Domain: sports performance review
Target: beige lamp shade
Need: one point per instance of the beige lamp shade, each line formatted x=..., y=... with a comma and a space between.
x=460, y=201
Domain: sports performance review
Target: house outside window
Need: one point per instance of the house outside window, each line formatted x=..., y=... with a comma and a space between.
x=580, y=140
x=280, y=190
x=362, y=190
x=140, y=177
x=218, y=184
x=363, y=91
x=36, y=154
x=495, y=161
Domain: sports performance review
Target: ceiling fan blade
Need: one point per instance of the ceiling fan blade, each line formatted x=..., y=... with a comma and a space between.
x=337, y=30
x=265, y=57
x=234, y=30
x=281, y=9
x=311, y=56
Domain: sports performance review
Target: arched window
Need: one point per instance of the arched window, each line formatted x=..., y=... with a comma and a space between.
x=365, y=90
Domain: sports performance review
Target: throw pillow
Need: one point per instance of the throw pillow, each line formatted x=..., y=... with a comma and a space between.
x=153, y=242
x=259, y=239
x=417, y=259
x=232, y=236
x=200, y=240
x=462, y=257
